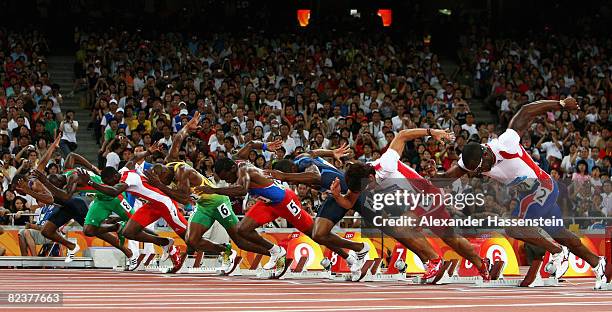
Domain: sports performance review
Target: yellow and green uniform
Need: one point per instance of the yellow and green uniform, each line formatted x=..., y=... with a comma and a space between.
x=209, y=207
x=103, y=205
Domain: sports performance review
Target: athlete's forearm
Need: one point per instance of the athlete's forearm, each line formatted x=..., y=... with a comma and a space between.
x=321, y=153
x=448, y=177
x=237, y=190
x=308, y=178
x=75, y=159
x=346, y=201
x=404, y=136
x=40, y=193
x=106, y=189
x=521, y=121
x=173, y=153
x=243, y=153
x=180, y=196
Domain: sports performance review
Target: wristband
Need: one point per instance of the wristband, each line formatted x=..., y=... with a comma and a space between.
x=264, y=147
x=90, y=183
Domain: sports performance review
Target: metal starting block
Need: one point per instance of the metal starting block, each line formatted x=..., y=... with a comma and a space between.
x=300, y=272
x=532, y=279
x=374, y=274
x=451, y=275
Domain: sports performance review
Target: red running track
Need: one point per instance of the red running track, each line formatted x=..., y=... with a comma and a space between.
x=104, y=290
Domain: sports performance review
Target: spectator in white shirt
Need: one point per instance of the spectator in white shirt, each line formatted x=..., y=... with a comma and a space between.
x=469, y=124
x=552, y=147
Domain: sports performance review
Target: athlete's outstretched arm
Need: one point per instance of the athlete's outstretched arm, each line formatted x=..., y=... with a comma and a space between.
x=58, y=193
x=404, y=136
x=240, y=189
x=177, y=194
x=74, y=159
x=44, y=160
x=243, y=153
x=191, y=125
x=523, y=118
x=447, y=178
x=113, y=191
x=131, y=164
x=36, y=190
x=338, y=153
x=345, y=201
x=309, y=177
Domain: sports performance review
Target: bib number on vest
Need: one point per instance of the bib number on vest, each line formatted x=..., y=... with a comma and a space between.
x=293, y=208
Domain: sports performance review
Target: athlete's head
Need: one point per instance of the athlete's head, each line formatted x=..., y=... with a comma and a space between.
x=358, y=175
x=477, y=157
x=58, y=180
x=16, y=180
x=110, y=176
x=227, y=170
x=285, y=165
x=165, y=174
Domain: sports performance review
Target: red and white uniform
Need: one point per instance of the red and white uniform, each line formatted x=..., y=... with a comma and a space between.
x=513, y=165
x=392, y=173
x=158, y=204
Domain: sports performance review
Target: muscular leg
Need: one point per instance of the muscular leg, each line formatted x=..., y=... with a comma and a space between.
x=535, y=236
x=30, y=242
x=134, y=231
x=461, y=245
x=244, y=244
x=573, y=243
x=415, y=241
x=49, y=231
x=114, y=241
x=195, y=231
x=23, y=248
x=247, y=227
x=338, y=250
x=323, y=235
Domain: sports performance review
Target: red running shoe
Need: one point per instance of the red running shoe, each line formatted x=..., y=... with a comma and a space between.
x=432, y=268
x=177, y=259
x=485, y=269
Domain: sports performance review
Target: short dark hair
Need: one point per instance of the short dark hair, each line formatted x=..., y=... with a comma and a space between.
x=224, y=164
x=471, y=155
x=284, y=165
x=108, y=173
x=356, y=174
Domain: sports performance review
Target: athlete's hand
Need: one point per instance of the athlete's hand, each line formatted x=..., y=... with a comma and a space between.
x=56, y=143
x=40, y=176
x=335, y=188
x=570, y=103
x=341, y=151
x=274, y=174
x=83, y=177
x=442, y=135
x=152, y=178
x=274, y=145
x=204, y=189
x=192, y=125
x=155, y=147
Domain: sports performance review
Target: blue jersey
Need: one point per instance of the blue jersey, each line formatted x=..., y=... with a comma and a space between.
x=272, y=194
x=328, y=172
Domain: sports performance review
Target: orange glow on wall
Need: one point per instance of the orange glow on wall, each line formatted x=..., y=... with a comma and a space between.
x=303, y=17
x=387, y=16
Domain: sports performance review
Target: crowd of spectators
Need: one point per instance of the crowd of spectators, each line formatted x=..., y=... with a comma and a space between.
x=356, y=90
x=30, y=115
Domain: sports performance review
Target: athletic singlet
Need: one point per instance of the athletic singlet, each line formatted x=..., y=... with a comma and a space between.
x=328, y=172
x=200, y=198
x=271, y=194
x=88, y=189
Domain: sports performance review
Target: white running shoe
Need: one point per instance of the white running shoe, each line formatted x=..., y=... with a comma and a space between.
x=167, y=248
x=274, y=258
x=70, y=254
x=352, y=258
x=600, y=273
x=558, y=263
x=132, y=262
x=360, y=261
x=326, y=264
x=228, y=260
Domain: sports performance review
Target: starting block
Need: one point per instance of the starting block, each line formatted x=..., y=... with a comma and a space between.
x=300, y=271
x=374, y=274
x=365, y=270
x=533, y=278
x=452, y=276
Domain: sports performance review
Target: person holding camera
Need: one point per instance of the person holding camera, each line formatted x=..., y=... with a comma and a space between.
x=69, y=128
